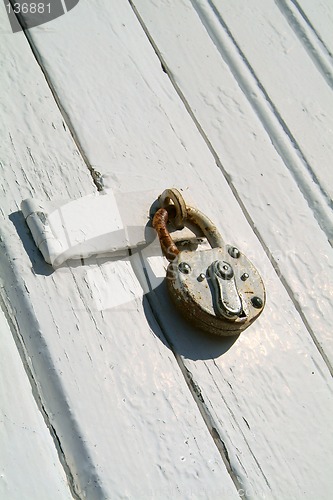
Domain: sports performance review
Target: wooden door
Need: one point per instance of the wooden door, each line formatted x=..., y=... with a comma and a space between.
x=231, y=102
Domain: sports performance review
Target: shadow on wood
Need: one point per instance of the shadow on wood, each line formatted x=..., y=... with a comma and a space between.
x=176, y=333
x=37, y=260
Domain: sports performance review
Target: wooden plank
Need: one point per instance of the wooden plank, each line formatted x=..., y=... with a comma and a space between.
x=303, y=110
x=30, y=465
x=265, y=395
x=319, y=17
x=111, y=390
x=270, y=183
x=309, y=37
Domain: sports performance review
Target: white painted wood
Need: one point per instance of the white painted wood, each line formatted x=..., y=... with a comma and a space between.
x=264, y=397
x=112, y=390
x=266, y=394
x=301, y=96
x=269, y=181
x=309, y=37
x=319, y=16
x=29, y=463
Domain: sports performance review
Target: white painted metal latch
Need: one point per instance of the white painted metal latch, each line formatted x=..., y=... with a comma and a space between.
x=100, y=224
x=80, y=228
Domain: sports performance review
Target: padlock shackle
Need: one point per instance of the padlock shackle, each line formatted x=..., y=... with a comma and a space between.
x=194, y=216
x=168, y=246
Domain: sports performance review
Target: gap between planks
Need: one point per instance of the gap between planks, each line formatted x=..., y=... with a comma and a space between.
x=192, y=385
x=67, y=121
x=20, y=345
x=14, y=328
x=194, y=389
x=281, y=136
x=309, y=37
x=287, y=153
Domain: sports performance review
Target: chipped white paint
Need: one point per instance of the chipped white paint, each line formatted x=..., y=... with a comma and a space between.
x=113, y=388
x=309, y=36
x=299, y=91
x=113, y=417
x=271, y=184
x=319, y=17
x=29, y=463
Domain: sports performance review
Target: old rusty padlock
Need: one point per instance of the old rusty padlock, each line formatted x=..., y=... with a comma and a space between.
x=218, y=290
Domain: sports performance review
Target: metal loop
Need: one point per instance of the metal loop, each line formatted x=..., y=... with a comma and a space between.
x=192, y=215
x=175, y=196
x=168, y=246
x=201, y=220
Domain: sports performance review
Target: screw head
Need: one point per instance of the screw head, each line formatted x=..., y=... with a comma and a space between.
x=184, y=267
x=225, y=270
x=201, y=277
x=234, y=252
x=245, y=276
x=257, y=302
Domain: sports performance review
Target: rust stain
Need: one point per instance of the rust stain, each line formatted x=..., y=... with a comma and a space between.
x=160, y=221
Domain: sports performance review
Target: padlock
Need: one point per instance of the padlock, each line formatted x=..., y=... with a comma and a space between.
x=218, y=290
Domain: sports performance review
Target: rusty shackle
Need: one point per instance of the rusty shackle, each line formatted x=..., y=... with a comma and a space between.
x=176, y=212
x=179, y=213
x=168, y=246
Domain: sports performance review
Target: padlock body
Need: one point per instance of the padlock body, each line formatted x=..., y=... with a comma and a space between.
x=198, y=294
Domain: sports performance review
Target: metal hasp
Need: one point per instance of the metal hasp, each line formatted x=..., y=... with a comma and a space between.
x=219, y=290
x=106, y=223
x=80, y=228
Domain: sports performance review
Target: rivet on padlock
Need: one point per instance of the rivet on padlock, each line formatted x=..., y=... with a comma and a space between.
x=219, y=290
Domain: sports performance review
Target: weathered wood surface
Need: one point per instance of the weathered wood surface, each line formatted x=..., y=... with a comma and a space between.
x=319, y=18
x=29, y=462
x=143, y=405
x=280, y=59
x=275, y=188
x=111, y=389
